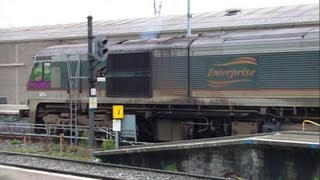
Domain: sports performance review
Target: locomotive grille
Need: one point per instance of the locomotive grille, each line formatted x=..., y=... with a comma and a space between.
x=129, y=75
x=131, y=62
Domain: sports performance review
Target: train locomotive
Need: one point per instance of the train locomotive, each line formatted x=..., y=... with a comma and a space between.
x=226, y=83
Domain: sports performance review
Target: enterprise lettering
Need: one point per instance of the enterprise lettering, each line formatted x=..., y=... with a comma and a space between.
x=231, y=74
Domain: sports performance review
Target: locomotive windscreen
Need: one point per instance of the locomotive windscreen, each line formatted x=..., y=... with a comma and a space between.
x=129, y=75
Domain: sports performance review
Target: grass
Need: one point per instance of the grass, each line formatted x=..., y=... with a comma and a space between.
x=49, y=148
x=171, y=167
x=82, y=155
x=53, y=149
x=79, y=152
x=108, y=144
x=15, y=142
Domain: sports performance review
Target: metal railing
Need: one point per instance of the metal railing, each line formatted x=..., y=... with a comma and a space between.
x=308, y=121
x=52, y=130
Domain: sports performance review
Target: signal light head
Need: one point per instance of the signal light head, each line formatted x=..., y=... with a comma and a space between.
x=101, y=48
x=102, y=42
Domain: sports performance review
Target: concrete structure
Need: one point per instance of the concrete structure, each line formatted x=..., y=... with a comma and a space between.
x=281, y=155
x=18, y=46
x=14, y=173
x=11, y=108
x=282, y=138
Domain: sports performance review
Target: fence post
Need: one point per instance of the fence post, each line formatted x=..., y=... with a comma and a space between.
x=61, y=143
x=24, y=138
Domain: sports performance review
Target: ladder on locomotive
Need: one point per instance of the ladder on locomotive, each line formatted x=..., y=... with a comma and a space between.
x=74, y=68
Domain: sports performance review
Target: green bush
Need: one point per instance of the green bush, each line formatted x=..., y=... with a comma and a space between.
x=108, y=144
x=15, y=141
x=171, y=167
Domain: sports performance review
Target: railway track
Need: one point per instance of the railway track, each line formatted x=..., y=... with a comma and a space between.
x=90, y=169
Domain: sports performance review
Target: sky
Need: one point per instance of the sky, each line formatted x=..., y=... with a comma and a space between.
x=17, y=13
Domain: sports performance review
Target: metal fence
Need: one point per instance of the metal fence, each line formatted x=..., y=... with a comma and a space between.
x=53, y=130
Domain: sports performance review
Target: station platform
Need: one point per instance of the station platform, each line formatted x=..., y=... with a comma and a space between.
x=303, y=139
x=15, y=173
x=12, y=109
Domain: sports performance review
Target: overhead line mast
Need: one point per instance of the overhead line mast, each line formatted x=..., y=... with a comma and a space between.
x=157, y=4
x=189, y=16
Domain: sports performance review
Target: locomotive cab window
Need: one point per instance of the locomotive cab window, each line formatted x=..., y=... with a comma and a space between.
x=36, y=74
x=41, y=72
x=46, y=71
x=40, y=76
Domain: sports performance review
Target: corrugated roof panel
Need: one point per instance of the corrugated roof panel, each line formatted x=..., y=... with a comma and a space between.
x=258, y=41
x=260, y=17
x=64, y=49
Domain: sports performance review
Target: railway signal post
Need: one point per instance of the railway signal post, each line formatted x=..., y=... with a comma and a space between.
x=100, y=53
x=91, y=59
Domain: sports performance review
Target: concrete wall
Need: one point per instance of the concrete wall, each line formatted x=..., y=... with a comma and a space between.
x=248, y=162
x=16, y=60
x=13, y=78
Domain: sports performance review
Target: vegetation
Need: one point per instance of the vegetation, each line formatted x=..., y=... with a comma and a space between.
x=15, y=142
x=68, y=152
x=50, y=148
x=85, y=136
x=171, y=167
x=108, y=144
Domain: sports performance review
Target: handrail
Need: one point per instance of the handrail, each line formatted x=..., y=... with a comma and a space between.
x=308, y=121
x=22, y=128
x=28, y=129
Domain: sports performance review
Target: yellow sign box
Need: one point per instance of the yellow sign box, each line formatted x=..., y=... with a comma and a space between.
x=117, y=111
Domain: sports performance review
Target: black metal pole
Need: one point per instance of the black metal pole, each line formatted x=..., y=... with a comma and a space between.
x=91, y=137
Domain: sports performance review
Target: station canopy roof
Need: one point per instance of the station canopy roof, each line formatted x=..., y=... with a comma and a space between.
x=283, y=16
